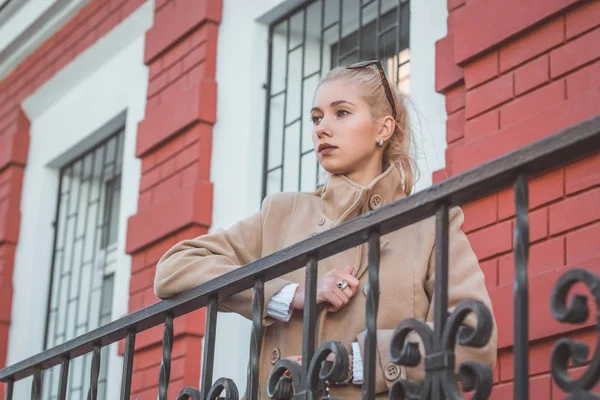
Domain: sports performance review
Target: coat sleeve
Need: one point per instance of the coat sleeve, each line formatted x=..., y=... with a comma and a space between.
x=465, y=281
x=196, y=261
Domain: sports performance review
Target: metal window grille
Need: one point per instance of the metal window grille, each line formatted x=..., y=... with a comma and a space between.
x=304, y=45
x=84, y=258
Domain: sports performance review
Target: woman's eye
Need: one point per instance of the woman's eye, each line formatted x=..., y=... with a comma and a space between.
x=315, y=119
x=341, y=113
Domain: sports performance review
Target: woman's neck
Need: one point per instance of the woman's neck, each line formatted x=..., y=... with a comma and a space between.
x=365, y=176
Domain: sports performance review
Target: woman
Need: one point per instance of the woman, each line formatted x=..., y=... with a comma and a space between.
x=361, y=135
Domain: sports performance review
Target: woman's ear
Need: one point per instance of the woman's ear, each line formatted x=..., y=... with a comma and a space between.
x=387, y=129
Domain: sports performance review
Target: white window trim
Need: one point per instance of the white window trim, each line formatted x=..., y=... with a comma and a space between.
x=107, y=80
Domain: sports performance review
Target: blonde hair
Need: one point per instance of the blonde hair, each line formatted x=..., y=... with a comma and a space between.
x=400, y=145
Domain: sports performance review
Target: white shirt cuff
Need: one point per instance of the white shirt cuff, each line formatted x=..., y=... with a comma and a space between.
x=357, y=364
x=279, y=306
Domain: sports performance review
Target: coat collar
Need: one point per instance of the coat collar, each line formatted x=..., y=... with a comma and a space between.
x=342, y=199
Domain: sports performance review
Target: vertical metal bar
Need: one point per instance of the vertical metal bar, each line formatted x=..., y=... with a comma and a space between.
x=287, y=72
x=377, y=30
x=100, y=237
x=360, y=23
x=9, y=390
x=521, y=296
x=94, y=373
x=210, y=338
x=368, y=391
x=267, y=113
x=165, y=364
x=127, y=366
x=440, y=310
x=302, y=99
x=321, y=47
x=53, y=261
x=85, y=225
x=340, y=18
x=398, y=33
x=99, y=212
x=310, y=313
x=72, y=261
x=258, y=302
x=64, y=378
x=36, y=386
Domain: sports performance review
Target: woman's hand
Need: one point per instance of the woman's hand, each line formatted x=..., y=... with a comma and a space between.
x=328, y=290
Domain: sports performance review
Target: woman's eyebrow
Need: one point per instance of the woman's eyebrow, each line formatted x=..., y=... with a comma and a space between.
x=338, y=102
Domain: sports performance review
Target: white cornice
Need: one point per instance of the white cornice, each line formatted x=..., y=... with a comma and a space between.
x=37, y=33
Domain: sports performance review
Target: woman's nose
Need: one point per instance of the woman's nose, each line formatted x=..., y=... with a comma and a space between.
x=323, y=129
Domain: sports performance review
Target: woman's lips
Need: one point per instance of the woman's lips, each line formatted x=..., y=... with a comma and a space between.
x=327, y=150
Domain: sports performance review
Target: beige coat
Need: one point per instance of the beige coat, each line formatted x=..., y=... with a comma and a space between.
x=406, y=272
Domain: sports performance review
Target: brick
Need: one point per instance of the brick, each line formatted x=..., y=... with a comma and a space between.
x=491, y=241
x=485, y=23
x=582, y=174
x=583, y=244
x=439, y=175
x=149, y=179
x=179, y=108
x=539, y=388
x=575, y=53
x=167, y=168
x=531, y=75
x=154, y=69
x=452, y=4
x=449, y=152
x=455, y=126
x=482, y=125
x=14, y=144
x=176, y=53
x=583, y=80
x=530, y=45
x=455, y=99
x=575, y=211
x=166, y=187
x=543, y=256
x=141, y=280
x=192, y=204
x=583, y=18
x=447, y=72
x=543, y=189
x=490, y=271
x=174, y=72
x=173, y=22
x=489, y=95
x=481, y=69
x=538, y=224
x=480, y=213
x=194, y=57
x=145, y=199
x=532, y=103
x=158, y=84
x=526, y=131
x=542, y=323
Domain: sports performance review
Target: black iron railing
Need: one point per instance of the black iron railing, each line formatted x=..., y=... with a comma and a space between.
x=440, y=382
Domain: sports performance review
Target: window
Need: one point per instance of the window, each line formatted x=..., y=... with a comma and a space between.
x=84, y=259
x=304, y=45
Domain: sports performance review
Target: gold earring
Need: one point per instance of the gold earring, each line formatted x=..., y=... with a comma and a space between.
x=380, y=142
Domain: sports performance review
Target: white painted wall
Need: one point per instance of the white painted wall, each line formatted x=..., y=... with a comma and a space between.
x=106, y=80
x=28, y=11
x=238, y=134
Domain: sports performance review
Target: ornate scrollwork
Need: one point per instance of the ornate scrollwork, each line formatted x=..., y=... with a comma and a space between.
x=566, y=349
x=222, y=384
x=288, y=379
x=439, y=360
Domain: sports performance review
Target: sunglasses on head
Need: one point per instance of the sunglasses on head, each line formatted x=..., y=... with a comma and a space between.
x=384, y=81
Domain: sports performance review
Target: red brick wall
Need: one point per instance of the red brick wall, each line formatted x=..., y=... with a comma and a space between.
x=514, y=72
x=174, y=144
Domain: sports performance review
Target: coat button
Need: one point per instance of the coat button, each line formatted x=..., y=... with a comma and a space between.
x=375, y=202
x=275, y=355
x=322, y=221
x=392, y=372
